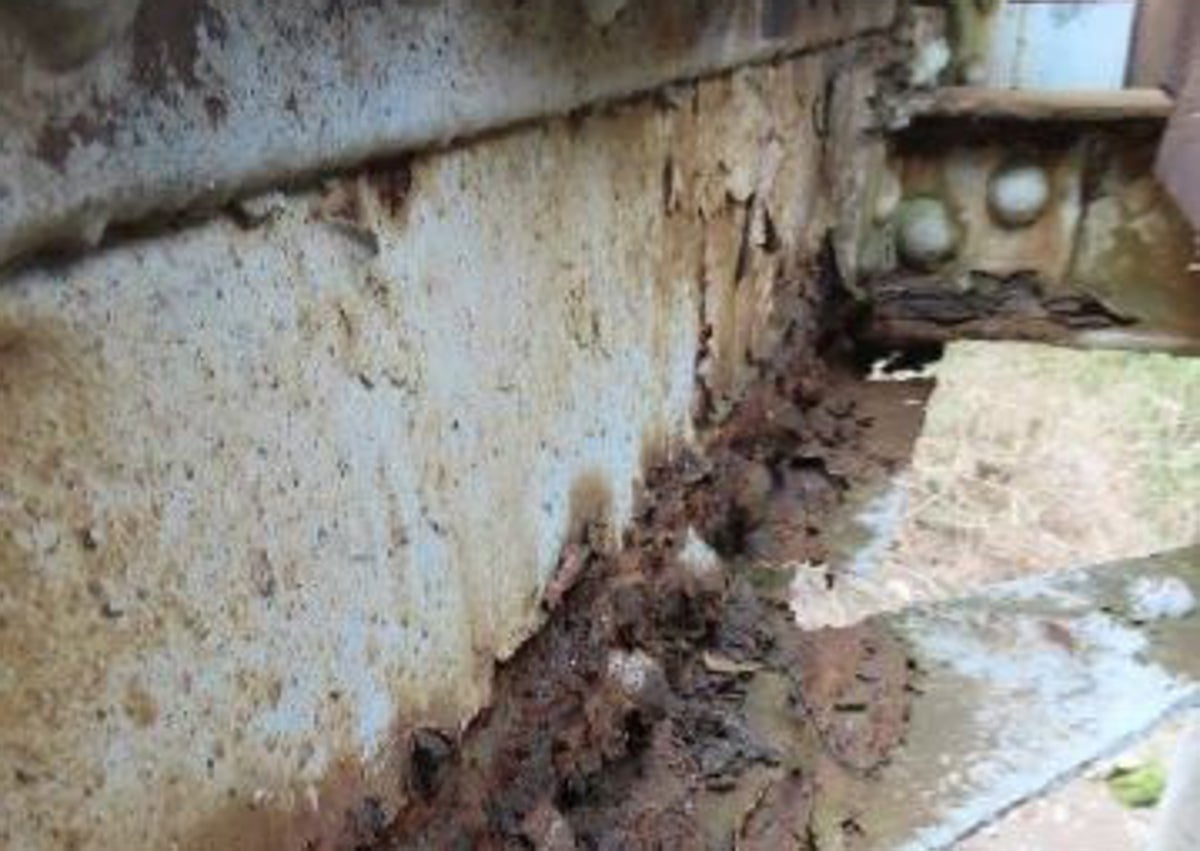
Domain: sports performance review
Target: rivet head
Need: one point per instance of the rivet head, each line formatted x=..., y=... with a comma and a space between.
x=1018, y=194
x=926, y=233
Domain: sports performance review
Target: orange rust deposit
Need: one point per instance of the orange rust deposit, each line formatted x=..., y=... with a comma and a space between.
x=664, y=704
x=615, y=726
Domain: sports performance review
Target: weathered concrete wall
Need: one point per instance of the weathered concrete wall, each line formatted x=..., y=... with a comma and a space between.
x=273, y=494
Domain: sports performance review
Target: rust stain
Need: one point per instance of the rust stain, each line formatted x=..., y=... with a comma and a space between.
x=568, y=752
x=350, y=806
x=97, y=122
x=60, y=627
x=545, y=760
x=343, y=810
x=392, y=180
x=854, y=692
x=166, y=43
x=216, y=109
x=140, y=705
x=48, y=383
x=58, y=138
x=1057, y=633
x=340, y=201
x=590, y=512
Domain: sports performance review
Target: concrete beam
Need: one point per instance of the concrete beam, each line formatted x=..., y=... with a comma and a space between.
x=202, y=100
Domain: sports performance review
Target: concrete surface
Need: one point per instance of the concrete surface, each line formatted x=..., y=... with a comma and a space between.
x=198, y=100
x=1084, y=813
x=1024, y=685
x=276, y=488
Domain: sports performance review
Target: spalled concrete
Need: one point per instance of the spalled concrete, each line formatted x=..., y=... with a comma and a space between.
x=277, y=488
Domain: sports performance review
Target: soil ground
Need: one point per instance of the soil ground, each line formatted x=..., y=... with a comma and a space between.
x=1034, y=458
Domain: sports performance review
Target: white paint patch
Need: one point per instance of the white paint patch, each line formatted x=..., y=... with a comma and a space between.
x=698, y=558
x=933, y=57
x=632, y=672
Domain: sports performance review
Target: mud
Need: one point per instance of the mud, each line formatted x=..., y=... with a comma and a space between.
x=670, y=701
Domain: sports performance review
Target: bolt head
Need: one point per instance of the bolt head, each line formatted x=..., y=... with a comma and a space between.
x=1018, y=194
x=926, y=234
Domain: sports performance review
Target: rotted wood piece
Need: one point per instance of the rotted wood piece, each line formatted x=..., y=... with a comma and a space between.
x=916, y=309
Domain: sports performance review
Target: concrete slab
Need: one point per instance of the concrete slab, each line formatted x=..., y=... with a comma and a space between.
x=1023, y=685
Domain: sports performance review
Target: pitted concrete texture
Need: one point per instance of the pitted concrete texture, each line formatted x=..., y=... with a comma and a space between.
x=272, y=494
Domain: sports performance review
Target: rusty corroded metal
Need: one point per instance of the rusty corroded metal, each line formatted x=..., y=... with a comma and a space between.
x=1103, y=258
